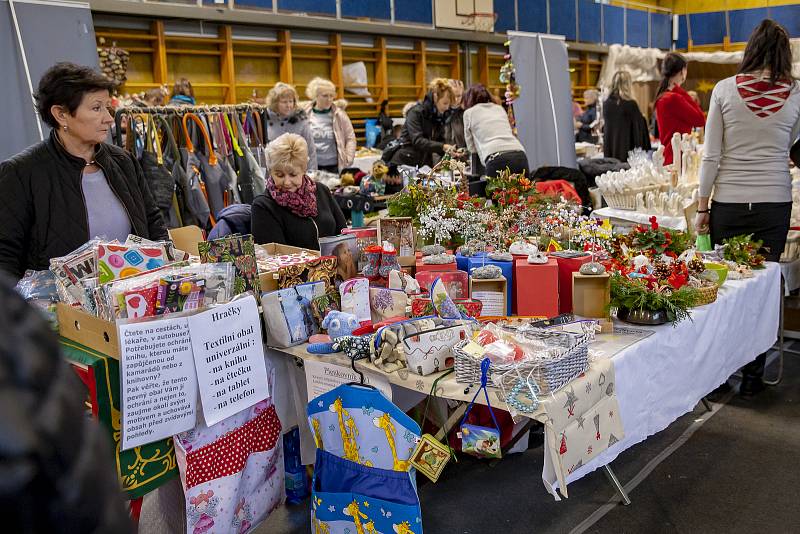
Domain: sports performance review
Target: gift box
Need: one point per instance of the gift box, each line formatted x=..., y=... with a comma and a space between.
x=508, y=273
x=536, y=288
x=282, y=255
x=567, y=266
x=422, y=267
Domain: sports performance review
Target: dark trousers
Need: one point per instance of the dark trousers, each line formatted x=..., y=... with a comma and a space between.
x=516, y=161
x=329, y=168
x=768, y=222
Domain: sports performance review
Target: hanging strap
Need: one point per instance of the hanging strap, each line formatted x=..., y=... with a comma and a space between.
x=133, y=143
x=232, y=134
x=212, y=157
x=484, y=381
x=153, y=143
x=259, y=128
x=118, y=127
x=253, y=123
x=444, y=426
x=171, y=144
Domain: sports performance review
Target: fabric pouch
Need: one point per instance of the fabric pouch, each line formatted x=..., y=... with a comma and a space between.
x=322, y=305
x=481, y=441
x=288, y=319
x=387, y=303
x=322, y=269
x=429, y=351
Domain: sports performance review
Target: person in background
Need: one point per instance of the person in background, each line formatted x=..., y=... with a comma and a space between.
x=583, y=124
x=695, y=97
x=423, y=135
x=676, y=112
x=294, y=210
x=454, y=127
x=334, y=137
x=154, y=97
x=182, y=93
x=753, y=119
x=57, y=463
x=488, y=132
x=58, y=194
x=577, y=110
x=283, y=116
x=624, y=127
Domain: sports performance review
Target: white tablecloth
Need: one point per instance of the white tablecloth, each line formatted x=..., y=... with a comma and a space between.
x=665, y=375
x=634, y=217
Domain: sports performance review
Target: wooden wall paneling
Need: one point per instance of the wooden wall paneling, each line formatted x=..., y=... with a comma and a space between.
x=286, y=69
x=257, y=67
x=337, y=63
x=159, y=53
x=483, y=65
x=420, y=69
x=455, y=66
x=227, y=64
x=382, y=69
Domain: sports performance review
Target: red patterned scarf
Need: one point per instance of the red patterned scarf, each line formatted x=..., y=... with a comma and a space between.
x=302, y=202
x=762, y=97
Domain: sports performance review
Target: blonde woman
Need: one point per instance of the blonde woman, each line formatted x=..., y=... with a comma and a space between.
x=334, y=137
x=294, y=210
x=284, y=116
x=423, y=134
x=624, y=126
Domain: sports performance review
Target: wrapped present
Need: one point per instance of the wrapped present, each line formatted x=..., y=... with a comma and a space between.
x=536, y=288
x=239, y=250
x=566, y=266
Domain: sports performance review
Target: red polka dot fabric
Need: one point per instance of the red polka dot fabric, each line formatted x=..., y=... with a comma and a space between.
x=228, y=455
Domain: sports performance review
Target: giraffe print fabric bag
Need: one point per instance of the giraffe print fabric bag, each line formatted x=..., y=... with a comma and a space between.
x=363, y=481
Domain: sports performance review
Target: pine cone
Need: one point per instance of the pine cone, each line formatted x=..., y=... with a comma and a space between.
x=696, y=265
x=662, y=271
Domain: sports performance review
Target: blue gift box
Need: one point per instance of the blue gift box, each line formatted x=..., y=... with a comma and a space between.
x=506, y=266
x=462, y=262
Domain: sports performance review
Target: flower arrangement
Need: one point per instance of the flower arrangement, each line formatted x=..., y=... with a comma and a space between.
x=654, y=240
x=507, y=189
x=640, y=294
x=744, y=250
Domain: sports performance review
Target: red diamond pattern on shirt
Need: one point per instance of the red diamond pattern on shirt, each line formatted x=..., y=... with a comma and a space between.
x=761, y=96
x=229, y=454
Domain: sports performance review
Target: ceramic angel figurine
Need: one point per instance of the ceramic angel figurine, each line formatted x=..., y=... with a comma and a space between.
x=676, y=152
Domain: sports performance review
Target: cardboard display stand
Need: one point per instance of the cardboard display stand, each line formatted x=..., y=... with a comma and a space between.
x=591, y=295
x=480, y=288
x=567, y=266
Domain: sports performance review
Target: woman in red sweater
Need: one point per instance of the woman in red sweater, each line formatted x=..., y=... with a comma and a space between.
x=675, y=109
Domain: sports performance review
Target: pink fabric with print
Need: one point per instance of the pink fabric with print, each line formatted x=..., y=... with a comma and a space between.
x=302, y=202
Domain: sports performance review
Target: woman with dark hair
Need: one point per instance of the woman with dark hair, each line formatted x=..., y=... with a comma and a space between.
x=182, y=93
x=488, y=132
x=676, y=112
x=753, y=119
x=423, y=134
x=59, y=193
x=624, y=127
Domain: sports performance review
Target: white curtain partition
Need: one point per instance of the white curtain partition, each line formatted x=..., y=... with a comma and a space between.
x=544, y=107
x=643, y=63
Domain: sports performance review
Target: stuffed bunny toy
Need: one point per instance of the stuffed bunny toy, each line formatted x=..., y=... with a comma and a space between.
x=340, y=325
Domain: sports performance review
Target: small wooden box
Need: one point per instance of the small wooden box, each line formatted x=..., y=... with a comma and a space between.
x=496, y=285
x=399, y=231
x=591, y=294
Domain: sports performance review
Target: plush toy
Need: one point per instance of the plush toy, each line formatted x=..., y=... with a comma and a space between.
x=404, y=281
x=389, y=356
x=348, y=179
x=339, y=324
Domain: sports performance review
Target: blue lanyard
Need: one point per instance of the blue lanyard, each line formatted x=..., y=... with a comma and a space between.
x=484, y=381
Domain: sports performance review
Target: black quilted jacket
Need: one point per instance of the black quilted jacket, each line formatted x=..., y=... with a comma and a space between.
x=42, y=210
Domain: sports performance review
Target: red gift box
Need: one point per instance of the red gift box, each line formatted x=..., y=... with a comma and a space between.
x=436, y=267
x=567, y=266
x=536, y=288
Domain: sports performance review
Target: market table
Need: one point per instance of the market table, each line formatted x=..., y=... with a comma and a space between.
x=659, y=377
x=630, y=218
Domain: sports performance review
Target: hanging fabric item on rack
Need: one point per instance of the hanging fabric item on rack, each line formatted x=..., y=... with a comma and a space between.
x=363, y=480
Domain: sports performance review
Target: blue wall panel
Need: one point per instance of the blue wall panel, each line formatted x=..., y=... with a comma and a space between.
x=309, y=6
x=613, y=25
x=683, y=35
x=374, y=9
x=789, y=16
x=589, y=21
x=562, y=18
x=743, y=21
x=264, y=4
x=413, y=11
x=636, y=22
x=707, y=28
x=660, y=30
x=532, y=15
x=504, y=9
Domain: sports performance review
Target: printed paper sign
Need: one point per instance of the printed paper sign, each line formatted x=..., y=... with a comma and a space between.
x=229, y=357
x=321, y=377
x=158, y=380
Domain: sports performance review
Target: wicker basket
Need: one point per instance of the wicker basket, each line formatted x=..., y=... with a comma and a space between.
x=569, y=357
x=627, y=199
x=707, y=295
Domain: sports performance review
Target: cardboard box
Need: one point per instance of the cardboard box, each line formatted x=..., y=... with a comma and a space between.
x=269, y=279
x=591, y=294
x=186, y=238
x=535, y=288
x=567, y=266
x=420, y=267
x=88, y=330
x=399, y=231
x=507, y=267
x=495, y=285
